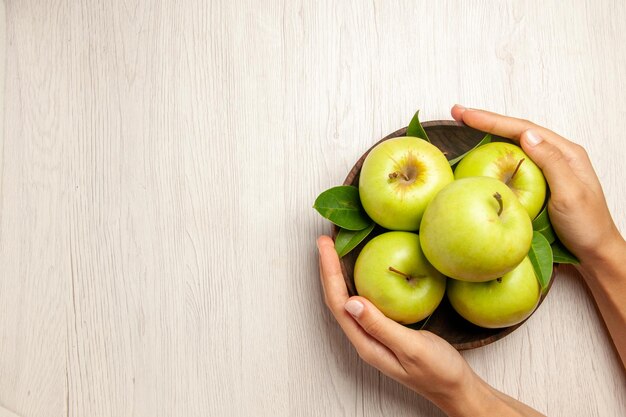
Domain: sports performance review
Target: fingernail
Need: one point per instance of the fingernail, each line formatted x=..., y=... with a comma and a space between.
x=532, y=138
x=354, y=307
x=461, y=109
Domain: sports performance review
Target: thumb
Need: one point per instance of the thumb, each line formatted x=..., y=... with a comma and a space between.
x=550, y=159
x=376, y=324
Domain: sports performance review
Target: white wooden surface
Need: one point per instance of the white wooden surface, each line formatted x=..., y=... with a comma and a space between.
x=158, y=168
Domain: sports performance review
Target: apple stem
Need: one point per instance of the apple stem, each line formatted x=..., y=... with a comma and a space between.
x=498, y=198
x=397, y=174
x=499, y=279
x=407, y=276
x=519, y=164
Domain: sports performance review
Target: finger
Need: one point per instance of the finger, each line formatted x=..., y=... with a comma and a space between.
x=375, y=323
x=336, y=294
x=335, y=289
x=552, y=161
x=508, y=127
x=504, y=126
x=457, y=112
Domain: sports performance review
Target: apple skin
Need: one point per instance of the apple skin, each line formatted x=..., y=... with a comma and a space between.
x=403, y=300
x=498, y=303
x=463, y=236
x=499, y=160
x=399, y=203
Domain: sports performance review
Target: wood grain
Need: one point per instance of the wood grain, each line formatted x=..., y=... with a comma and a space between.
x=158, y=167
x=6, y=413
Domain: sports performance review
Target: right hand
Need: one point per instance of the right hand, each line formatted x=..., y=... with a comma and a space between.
x=577, y=206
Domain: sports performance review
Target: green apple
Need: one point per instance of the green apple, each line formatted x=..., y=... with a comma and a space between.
x=511, y=165
x=475, y=229
x=392, y=272
x=502, y=302
x=398, y=179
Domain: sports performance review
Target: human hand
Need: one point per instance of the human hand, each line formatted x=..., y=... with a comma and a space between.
x=577, y=206
x=420, y=360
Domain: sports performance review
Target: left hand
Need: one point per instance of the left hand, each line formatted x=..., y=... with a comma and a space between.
x=421, y=360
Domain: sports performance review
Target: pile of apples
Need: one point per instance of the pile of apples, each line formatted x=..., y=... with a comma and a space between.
x=466, y=233
x=474, y=227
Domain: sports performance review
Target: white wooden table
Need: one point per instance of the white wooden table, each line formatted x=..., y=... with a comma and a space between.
x=158, y=168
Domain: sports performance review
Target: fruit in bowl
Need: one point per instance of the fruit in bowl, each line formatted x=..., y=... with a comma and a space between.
x=475, y=229
x=393, y=273
x=353, y=230
x=502, y=302
x=399, y=177
x=512, y=166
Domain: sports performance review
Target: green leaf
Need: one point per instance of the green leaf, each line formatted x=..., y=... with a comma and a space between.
x=342, y=206
x=415, y=128
x=562, y=255
x=542, y=225
x=484, y=140
x=542, y=220
x=548, y=233
x=540, y=255
x=349, y=239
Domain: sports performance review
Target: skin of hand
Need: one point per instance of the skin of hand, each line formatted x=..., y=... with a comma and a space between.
x=577, y=201
x=421, y=360
x=577, y=209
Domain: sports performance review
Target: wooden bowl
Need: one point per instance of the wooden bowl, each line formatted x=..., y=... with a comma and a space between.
x=453, y=139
